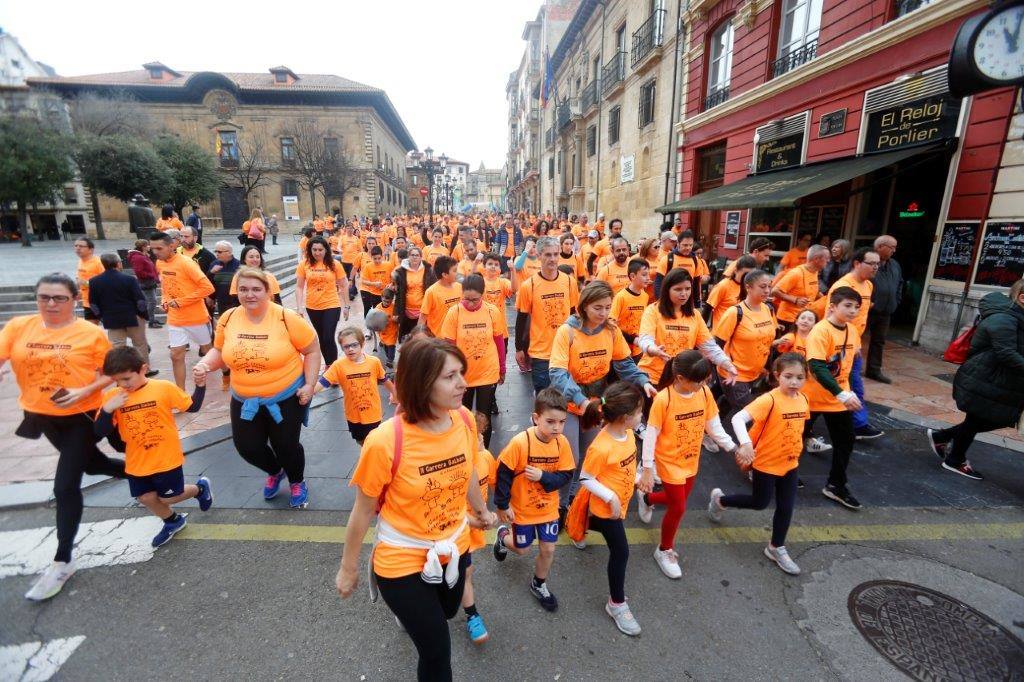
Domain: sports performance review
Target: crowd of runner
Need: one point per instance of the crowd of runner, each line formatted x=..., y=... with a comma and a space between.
x=640, y=357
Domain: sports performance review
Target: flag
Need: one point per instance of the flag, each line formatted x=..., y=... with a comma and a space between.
x=549, y=81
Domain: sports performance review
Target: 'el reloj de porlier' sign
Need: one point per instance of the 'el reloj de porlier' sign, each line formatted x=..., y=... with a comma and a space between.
x=922, y=121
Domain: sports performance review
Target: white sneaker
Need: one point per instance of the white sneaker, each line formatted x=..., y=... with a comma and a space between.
x=709, y=443
x=780, y=556
x=715, y=507
x=623, y=618
x=643, y=510
x=816, y=444
x=582, y=544
x=51, y=582
x=668, y=562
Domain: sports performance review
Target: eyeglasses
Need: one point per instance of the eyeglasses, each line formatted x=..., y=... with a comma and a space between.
x=59, y=298
x=872, y=264
x=351, y=346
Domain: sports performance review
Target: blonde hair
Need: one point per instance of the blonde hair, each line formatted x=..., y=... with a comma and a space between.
x=256, y=213
x=254, y=273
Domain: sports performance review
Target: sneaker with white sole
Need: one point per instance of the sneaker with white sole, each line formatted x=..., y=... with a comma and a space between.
x=715, y=507
x=581, y=544
x=623, y=618
x=643, y=510
x=940, y=449
x=781, y=557
x=51, y=582
x=964, y=469
x=709, y=444
x=668, y=562
x=816, y=445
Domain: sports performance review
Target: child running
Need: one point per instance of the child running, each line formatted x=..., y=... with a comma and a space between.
x=796, y=342
x=143, y=411
x=680, y=415
x=485, y=470
x=531, y=469
x=629, y=304
x=358, y=375
x=389, y=335
x=773, y=452
x=609, y=474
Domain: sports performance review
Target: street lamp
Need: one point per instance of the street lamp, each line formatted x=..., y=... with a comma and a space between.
x=430, y=167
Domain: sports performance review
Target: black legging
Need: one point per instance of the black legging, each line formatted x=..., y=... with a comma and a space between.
x=270, y=446
x=840, y=431
x=405, y=325
x=483, y=396
x=424, y=611
x=785, y=500
x=618, y=554
x=962, y=435
x=369, y=300
x=325, y=322
x=75, y=440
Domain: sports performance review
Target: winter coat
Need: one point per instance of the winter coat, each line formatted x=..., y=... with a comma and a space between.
x=990, y=383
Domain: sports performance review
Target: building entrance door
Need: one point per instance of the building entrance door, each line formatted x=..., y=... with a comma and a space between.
x=233, y=208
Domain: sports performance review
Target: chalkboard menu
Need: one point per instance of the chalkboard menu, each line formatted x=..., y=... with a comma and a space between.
x=732, y=230
x=955, y=249
x=832, y=219
x=1001, y=262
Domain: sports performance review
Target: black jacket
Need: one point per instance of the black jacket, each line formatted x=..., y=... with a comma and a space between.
x=888, y=288
x=117, y=300
x=990, y=384
x=400, y=286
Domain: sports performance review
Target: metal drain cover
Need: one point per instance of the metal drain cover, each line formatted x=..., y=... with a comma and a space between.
x=931, y=636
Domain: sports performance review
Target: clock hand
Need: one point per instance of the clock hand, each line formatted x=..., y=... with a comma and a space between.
x=1016, y=32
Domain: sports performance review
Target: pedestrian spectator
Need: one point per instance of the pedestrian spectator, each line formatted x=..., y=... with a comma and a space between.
x=272, y=228
x=195, y=221
x=412, y=279
x=190, y=248
x=251, y=257
x=168, y=220
x=118, y=302
x=320, y=283
x=57, y=361
x=838, y=266
x=89, y=266
x=223, y=274
x=255, y=231
x=989, y=386
x=274, y=363
x=149, y=279
x=885, y=299
x=508, y=243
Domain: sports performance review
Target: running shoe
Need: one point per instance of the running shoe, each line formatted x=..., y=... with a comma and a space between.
x=668, y=562
x=205, y=496
x=500, y=550
x=51, y=582
x=799, y=483
x=623, y=618
x=840, y=495
x=581, y=544
x=273, y=485
x=868, y=433
x=781, y=557
x=709, y=444
x=476, y=629
x=938, y=448
x=715, y=507
x=544, y=596
x=170, y=529
x=643, y=510
x=816, y=445
x=300, y=495
x=964, y=469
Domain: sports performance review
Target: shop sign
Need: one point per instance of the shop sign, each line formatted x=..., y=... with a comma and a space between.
x=921, y=121
x=913, y=210
x=782, y=152
x=955, y=249
x=732, y=230
x=832, y=123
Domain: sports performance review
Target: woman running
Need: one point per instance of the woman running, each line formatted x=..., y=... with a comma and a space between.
x=412, y=279
x=729, y=291
x=320, y=284
x=251, y=257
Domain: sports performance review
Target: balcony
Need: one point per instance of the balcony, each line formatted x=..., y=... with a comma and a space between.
x=649, y=37
x=549, y=137
x=613, y=73
x=794, y=59
x=716, y=97
x=589, y=98
x=563, y=116
x=907, y=6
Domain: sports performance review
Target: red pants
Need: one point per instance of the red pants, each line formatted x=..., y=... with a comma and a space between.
x=673, y=496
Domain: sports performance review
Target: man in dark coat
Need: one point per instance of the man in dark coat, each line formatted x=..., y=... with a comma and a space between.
x=196, y=223
x=885, y=299
x=116, y=299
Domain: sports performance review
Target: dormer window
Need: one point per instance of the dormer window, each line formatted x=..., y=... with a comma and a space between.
x=160, y=72
x=283, y=75
x=280, y=77
x=156, y=73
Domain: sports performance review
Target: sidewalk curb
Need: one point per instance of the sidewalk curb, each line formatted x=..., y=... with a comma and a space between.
x=31, y=494
x=929, y=423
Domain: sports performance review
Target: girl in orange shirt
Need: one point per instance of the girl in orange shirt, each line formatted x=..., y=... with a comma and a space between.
x=778, y=423
x=729, y=291
x=796, y=340
x=319, y=285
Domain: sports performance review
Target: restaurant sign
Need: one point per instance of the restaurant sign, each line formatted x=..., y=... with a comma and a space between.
x=782, y=152
x=921, y=121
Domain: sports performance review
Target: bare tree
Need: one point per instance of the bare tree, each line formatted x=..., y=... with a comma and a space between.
x=310, y=153
x=341, y=175
x=115, y=113
x=251, y=170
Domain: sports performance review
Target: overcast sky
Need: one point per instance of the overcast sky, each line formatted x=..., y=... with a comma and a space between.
x=444, y=64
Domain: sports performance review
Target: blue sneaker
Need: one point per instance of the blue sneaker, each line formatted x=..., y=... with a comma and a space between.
x=169, y=529
x=205, y=496
x=273, y=485
x=300, y=496
x=476, y=629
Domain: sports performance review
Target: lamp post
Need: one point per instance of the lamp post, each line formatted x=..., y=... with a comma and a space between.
x=431, y=167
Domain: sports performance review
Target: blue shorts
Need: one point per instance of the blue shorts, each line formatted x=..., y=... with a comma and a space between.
x=164, y=484
x=522, y=536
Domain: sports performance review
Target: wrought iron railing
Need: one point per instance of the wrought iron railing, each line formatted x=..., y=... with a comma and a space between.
x=907, y=6
x=590, y=95
x=650, y=35
x=563, y=117
x=794, y=59
x=716, y=97
x=613, y=72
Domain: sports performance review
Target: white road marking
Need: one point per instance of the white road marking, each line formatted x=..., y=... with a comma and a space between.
x=36, y=661
x=104, y=543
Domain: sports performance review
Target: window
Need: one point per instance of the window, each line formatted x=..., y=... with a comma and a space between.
x=70, y=196
x=613, y=125
x=227, y=147
x=647, y=103
x=289, y=188
x=551, y=168
x=798, y=34
x=710, y=167
x=156, y=74
x=907, y=6
x=415, y=180
x=620, y=38
x=331, y=147
x=591, y=140
x=287, y=150
x=719, y=65
x=280, y=77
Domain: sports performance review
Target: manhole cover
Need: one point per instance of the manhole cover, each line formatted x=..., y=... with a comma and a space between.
x=931, y=636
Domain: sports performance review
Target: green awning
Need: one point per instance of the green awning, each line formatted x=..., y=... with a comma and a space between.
x=786, y=187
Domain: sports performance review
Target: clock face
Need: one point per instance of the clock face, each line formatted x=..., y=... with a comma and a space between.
x=999, y=48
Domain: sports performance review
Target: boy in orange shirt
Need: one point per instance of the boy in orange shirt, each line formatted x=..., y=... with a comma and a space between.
x=486, y=467
x=358, y=375
x=389, y=335
x=441, y=295
x=629, y=304
x=531, y=469
x=143, y=411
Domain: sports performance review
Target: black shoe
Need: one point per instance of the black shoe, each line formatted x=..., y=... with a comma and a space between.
x=868, y=433
x=840, y=495
x=494, y=408
x=500, y=550
x=155, y=325
x=964, y=469
x=544, y=596
x=799, y=483
x=879, y=377
x=938, y=448
x=152, y=373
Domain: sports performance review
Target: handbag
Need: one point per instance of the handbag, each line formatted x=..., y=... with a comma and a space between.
x=241, y=238
x=959, y=347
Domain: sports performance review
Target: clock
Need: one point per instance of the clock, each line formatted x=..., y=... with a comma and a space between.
x=988, y=51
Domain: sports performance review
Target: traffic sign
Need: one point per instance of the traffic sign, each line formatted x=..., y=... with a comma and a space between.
x=423, y=191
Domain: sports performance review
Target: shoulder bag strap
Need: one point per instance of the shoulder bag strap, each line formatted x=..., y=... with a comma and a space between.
x=395, y=461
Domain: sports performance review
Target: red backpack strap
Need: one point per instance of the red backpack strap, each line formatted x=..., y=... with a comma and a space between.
x=395, y=461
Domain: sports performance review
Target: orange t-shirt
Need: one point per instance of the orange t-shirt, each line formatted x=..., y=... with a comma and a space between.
x=778, y=430
x=321, y=284
x=627, y=309
x=358, y=382
x=44, y=360
x=613, y=463
x=531, y=266
x=437, y=299
x=510, y=247
x=486, y=471
x=587, y=357
x=616, y=275
x=459, y=252
x=723, y=296
x=529, y=501
x=574, y=262
x=146, y=425
x=468, y=267
x=263, y=356
x=302, y=247
x=549, y=304
x=388, y=335
x=374, y=272
x=683, y=332
x=473, y=332
x=349, y=245
x=793, y=258
x=275, y=286
x=496, y=292
x=586, y=249
x=87, y=269
x=182, y=281
x=433, y=252
x=837, y=347
x=749, y=344
x=697, y=267
x=164, y=224
x=793, y=343
x=603, y=248
x=799, y=282
x=680, y=420
x=427, y=496
x=414, y=288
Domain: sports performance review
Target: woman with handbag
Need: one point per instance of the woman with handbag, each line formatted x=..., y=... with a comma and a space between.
x=989, y=386
x=255, y=231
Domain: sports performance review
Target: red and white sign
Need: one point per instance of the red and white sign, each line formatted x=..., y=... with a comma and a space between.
x=424, y=191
